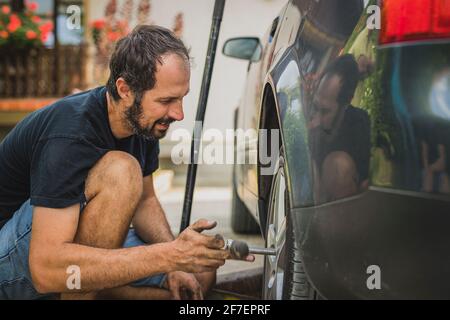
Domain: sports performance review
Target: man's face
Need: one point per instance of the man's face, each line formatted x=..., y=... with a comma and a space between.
x=326, y=102
x=163, y=104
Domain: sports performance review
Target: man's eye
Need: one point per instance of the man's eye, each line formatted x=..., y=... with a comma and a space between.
x=166, y=101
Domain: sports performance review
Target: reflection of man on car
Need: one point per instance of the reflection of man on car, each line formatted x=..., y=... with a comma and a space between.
x=340, y=133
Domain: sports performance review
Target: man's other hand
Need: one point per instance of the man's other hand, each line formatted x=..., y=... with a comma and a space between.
x=184, y=285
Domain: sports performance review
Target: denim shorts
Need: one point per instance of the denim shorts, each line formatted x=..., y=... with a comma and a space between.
x=15, y=277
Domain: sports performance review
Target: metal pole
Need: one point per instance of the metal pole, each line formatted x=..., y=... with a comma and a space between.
x=203, y=100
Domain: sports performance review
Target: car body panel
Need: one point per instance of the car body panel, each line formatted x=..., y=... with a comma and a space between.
x=248, y=116
x=403, y=234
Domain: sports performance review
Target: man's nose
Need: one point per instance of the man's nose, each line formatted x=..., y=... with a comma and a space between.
x=176, y=112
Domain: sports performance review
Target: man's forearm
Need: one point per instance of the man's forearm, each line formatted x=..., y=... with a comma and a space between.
x=99, y=268
x=150, y=222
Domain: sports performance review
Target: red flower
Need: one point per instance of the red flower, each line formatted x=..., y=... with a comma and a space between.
x=33, y=6
x=14, y=23
x=36, y=19
x=31, y=35
x=44, y=37
x=15, y=19
x=4, y=34
x=6, y=10
x=46, y=27
x=98, y=24
x=113, y=36
x=12, y=27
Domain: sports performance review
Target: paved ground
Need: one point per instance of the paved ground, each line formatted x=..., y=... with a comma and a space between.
x=213, y=204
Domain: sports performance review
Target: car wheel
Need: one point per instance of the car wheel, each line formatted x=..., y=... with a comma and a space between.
x=284, y=276
x=241, y=219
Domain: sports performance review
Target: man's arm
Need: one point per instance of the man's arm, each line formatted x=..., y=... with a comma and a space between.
x=151, y=225
x=150, y=221
x=52, y=252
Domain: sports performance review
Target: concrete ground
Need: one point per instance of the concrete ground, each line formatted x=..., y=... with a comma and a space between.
x=212, y=204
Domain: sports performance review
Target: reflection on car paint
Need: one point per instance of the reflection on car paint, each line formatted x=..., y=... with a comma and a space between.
x=339, y=133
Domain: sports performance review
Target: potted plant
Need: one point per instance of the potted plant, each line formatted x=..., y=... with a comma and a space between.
x=22, y=30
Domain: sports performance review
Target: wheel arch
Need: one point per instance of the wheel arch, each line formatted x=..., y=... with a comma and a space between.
x=269, y=119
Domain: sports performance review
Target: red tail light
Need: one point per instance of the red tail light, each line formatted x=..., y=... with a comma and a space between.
x=411, y=20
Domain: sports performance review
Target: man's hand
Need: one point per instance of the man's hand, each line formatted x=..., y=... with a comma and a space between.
x=194, y=252
x=184, y=285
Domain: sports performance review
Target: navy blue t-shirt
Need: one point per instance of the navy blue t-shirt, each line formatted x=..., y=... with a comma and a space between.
x=48, y=155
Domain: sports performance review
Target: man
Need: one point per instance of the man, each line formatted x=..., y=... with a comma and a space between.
x=340, y=133
x=74, y=175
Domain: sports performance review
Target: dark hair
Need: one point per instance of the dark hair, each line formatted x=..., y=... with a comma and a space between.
x=346, y=68
x=136, y=56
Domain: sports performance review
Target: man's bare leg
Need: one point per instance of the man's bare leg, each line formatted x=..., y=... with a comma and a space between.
x=339, y=176
x=113, y=190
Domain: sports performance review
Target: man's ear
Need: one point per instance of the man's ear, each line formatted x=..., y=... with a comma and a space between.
x=124, y=90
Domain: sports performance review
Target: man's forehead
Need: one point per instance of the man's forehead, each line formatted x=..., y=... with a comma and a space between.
x=330, y=85
x=172, y=76
x=331, y=80
x=171, y=62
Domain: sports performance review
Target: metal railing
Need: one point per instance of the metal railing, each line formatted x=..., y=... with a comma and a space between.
x=42, y=72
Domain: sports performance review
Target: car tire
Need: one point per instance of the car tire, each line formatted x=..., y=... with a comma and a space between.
x=296, y=284
x=284, y=276
x=241, y=219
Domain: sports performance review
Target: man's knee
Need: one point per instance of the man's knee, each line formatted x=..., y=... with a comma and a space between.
x=339, y=164
x=121, y=167
x=117, y=171
x=113, y=190
x=339, y=175
x=339, y=167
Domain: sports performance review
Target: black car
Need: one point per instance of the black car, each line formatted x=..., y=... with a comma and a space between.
x=356, y=197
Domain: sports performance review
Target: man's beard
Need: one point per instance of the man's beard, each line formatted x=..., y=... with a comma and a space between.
x=132, y=116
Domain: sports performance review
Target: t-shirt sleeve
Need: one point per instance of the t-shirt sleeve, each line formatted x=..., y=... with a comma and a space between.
x=59, y=168
x=152, y=160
